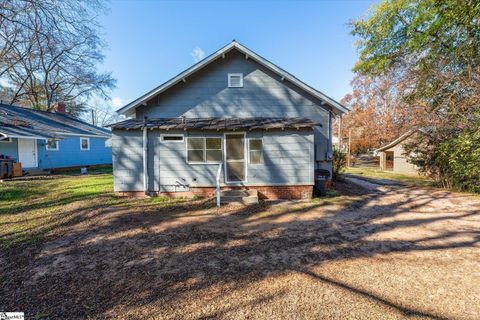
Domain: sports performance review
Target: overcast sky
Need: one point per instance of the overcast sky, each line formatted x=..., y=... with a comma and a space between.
x=152, y=41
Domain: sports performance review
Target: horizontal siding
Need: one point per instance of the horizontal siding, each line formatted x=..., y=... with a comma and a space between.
x=206, y=94
x=127, y=158
x=70, y=155
x=287, y=160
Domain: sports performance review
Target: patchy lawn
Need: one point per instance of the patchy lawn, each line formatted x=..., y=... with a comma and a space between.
x=374, y=174
x=71, y=249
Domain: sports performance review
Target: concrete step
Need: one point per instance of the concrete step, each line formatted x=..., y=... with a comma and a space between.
x=239, y=196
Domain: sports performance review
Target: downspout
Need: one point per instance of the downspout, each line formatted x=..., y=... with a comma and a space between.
x=145, y=156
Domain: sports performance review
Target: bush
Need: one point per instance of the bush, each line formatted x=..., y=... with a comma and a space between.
x=339, y=163
x=451, y=158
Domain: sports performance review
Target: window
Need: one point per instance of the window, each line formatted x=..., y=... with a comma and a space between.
x=108, y=143
x=255, y=147
x=6, y=140
x=172, y=137
x=214, y=149
x=52, y=144
x=204, y=150
x=84, y=144
x=235, y=80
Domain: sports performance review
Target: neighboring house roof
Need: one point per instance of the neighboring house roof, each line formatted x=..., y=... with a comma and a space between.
x=19, y=122
x=400, y=139
x=216, y=123
x=251, y=55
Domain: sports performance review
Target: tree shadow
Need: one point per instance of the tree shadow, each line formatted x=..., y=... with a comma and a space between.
x=120, y=258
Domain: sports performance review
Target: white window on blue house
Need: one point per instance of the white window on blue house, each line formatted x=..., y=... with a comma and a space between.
x=235, y=80
x=52, y=145
x=255, y=147
x=84, y=144
x=204, y=150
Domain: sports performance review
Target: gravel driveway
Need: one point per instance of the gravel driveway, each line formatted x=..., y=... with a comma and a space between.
x=396, y=253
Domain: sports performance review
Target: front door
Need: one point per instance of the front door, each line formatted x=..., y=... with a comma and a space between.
x=235, y=157
x=27, y=152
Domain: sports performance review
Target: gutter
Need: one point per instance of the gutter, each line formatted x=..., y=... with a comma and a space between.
x=145, y=156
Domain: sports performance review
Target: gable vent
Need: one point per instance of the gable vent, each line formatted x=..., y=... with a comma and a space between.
x=235, y=80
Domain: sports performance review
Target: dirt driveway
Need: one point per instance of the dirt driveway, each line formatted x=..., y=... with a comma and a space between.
x=401, y=252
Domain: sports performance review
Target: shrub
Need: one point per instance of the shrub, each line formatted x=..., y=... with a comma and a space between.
x=451, y=158
x=339, y=162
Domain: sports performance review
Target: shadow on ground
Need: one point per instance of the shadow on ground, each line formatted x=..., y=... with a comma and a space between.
x=197, y=261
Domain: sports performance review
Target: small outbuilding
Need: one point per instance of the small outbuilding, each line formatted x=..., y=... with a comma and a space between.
x=393, y=156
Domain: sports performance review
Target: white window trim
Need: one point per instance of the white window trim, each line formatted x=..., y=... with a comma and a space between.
x=248, y=148
x=230, y=82
x=172, y=135
x=88, y=141
x=204, y=150
x=57, y=145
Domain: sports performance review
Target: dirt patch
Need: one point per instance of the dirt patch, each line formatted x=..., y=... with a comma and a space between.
x=405, y=252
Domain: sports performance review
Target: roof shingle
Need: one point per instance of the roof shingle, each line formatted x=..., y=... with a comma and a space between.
x=216, y=124
x=18, y=121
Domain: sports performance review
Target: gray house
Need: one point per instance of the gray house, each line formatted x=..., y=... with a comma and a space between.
x=232, y=121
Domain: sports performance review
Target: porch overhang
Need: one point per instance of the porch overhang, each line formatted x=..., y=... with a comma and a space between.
x=216, y=124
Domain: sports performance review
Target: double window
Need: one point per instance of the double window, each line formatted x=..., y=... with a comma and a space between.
x=204, y=150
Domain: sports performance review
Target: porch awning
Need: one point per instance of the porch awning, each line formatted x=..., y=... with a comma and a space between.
x=21, y=132
x=217, y=123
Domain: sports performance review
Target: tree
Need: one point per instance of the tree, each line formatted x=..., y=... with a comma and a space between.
x=433, y=49
x=102, y=114
x=432, y=45
x=50, y=50
x=377, y=113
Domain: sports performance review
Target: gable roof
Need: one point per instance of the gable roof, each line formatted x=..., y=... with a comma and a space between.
x=336, y=106
x=19, y=122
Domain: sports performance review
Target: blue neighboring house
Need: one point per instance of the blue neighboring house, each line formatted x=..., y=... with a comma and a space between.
x=49, y=140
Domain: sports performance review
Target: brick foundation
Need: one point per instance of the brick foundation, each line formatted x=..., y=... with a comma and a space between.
x=264, y=192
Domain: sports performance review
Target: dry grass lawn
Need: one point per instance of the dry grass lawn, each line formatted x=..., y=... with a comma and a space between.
x=400, y=253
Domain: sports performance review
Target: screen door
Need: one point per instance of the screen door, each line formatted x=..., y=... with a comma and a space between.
x=235, y=157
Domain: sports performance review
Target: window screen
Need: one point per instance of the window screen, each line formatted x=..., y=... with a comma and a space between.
x=214, y=149
x=196, y=150
x=202, y=150
x=255, y=149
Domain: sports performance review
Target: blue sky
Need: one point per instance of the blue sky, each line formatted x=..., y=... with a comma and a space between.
x=152, y=41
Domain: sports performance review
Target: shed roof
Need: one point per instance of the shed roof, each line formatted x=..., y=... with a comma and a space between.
x=402, y=138
x=18, y=122
x=216, y=124
x=337, y=107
